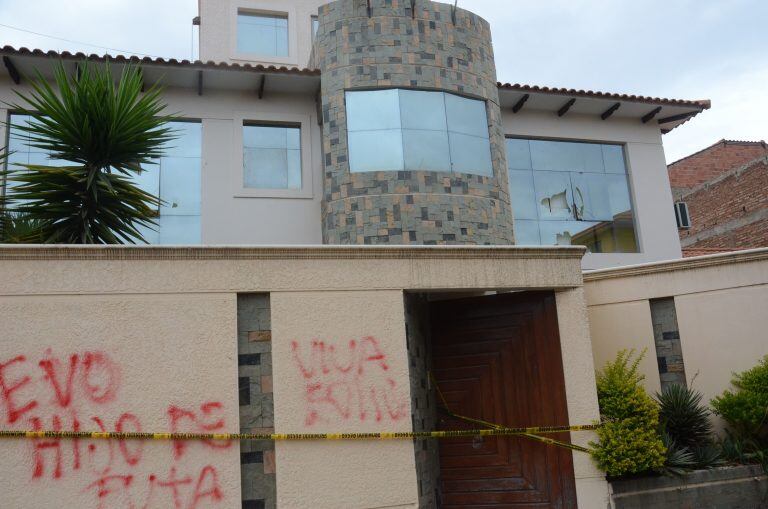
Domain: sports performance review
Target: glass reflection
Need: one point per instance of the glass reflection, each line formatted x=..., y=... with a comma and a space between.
x=261, y=34
x=396, y=129
x=271, y=157
x=574, y=193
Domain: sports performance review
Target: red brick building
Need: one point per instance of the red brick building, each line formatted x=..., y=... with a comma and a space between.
x=724, y=189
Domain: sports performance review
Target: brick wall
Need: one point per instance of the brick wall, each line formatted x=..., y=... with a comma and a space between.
x=731, y=211
x=712, y=162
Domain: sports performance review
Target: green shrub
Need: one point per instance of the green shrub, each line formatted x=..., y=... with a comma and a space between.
x=683, y=417
x=629, y=438
x=687, y=430
x=745, y=409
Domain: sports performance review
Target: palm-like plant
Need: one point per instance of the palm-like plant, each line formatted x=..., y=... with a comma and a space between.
x=683, y=417
x=107, y=131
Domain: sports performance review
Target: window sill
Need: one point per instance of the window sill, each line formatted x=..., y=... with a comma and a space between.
x=290, y=194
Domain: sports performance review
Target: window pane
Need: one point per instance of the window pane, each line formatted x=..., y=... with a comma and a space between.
x=467, y=116
x=262, y=34
x=18, y=139
x=422, y=110
x=613, y=156
x=426, y=150
x=149, y=179
x=188, y=140
x=271, y=157
x=527, y=232
x=518, y=154
x=470, y=154
x=293, y=138
x=592, y=157
x=180, y=186
x=553, y=195
x=265, y=137
x=522, y=194
x=179, y=230
x=566, y=156
x=591, y=196
x=265, y=168
x=376, y=151
x=371, y=110
x=566, y=233
x=315, y=25
x=294, y=169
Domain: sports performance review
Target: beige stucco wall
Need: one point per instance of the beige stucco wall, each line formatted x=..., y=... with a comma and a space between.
x=117, y=358
x=167, y=315
x=721, y=303
x=362, y=470
x=649, y=183
x=218, y=29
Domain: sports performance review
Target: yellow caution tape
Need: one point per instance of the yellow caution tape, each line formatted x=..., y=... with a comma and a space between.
x=497, y=431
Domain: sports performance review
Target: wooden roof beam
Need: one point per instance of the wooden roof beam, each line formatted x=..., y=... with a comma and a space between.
x=650, y=115
x=675, y=118
x=519, y=105
x=262, y=83
x=12, y=71
x=610, y=111
x=567, y=106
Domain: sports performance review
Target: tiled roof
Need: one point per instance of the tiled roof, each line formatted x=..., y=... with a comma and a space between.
x=721, y=142
x=572, y=92
x=690, y=252
x=171, y=62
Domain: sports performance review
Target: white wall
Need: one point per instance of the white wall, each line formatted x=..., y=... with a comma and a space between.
x=649, y=182
x=218, y=29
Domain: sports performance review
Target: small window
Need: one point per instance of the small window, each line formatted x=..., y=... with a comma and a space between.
x=681, y=215
x=271, y=157
x=315, y=25
x=262, y=34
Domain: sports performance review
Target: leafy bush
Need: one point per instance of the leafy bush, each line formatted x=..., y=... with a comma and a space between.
x=746, y=408
x=629, y=439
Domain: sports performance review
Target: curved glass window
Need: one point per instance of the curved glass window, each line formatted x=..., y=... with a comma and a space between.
x=566, y=192
x=397, y=130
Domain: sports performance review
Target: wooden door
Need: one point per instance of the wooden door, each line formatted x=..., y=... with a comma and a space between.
x=498, y=358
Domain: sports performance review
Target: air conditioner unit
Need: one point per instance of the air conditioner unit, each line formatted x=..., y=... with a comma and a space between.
x=682, y=216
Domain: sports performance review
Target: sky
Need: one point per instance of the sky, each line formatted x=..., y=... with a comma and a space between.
x=683, y=49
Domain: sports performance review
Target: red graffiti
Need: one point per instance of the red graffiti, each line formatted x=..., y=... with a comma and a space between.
x=13, y=410
x=76, y=392
x=207, y=487
x=348, y=383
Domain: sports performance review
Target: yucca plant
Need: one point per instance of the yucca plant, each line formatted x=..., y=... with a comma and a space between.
x=107, y=130
x=683, y=417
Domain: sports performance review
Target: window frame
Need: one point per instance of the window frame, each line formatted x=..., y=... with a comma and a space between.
x=627, y=174
x=402, y=129
x=681, y=208
x=304, y=123
x=264, y=8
